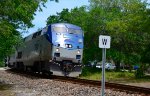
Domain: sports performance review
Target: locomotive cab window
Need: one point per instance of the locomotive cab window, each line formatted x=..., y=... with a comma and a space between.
x=74, y=31
x=19, y=55
x=59, y=29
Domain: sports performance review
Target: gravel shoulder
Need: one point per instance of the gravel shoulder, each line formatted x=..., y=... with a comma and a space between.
x=3, y=68
x=34, y=86
x=143, y=84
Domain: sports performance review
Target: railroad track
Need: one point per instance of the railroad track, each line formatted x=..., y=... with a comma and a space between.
x=115, y=86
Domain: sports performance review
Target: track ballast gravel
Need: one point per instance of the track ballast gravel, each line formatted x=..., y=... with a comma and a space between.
x=26, y=85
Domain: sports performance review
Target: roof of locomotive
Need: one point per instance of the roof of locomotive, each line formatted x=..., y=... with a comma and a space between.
x=44, y=30
x=68, y=25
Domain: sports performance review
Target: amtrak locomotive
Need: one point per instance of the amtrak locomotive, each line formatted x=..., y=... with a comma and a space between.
x=56, y=49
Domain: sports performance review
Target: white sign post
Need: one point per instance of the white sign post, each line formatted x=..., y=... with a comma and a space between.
x=104, y=42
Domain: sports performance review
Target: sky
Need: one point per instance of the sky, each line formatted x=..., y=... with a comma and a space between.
x=51, y=9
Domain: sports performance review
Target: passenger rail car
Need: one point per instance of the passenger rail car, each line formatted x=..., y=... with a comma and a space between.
x=56, y=49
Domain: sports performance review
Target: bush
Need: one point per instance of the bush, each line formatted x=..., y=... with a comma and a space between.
x=121, y=74
x=86, y=71
x=2, y=64
x=139, y=73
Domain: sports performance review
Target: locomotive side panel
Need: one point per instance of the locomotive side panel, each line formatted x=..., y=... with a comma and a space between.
x=46, y=49
x=34, y=50
x=37, y=52
x=31, y=52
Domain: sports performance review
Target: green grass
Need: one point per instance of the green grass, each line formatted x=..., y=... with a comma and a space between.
x=1, y=64
x=112, y=76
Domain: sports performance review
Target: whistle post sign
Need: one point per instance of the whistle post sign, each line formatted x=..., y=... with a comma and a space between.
x=104, y=41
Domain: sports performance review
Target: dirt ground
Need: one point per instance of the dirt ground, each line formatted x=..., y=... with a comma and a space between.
x=143, y=84
x=17, y=85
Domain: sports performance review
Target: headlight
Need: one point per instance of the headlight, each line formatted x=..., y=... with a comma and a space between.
x=70, y=45
x=66, y=45
x=78, y=51
x=57, y=49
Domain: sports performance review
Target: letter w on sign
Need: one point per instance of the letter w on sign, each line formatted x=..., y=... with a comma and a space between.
x=104, y=41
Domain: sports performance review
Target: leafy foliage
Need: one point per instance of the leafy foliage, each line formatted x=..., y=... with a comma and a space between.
x=126, y=21
x=15, y=14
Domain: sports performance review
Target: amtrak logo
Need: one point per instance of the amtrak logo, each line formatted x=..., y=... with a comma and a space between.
x=61, y=41
x=69, y=40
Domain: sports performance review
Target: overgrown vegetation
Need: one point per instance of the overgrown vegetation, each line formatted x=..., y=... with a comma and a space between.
x=126, y=21
x=112, y=76
x=15, y=14
x=2, y=64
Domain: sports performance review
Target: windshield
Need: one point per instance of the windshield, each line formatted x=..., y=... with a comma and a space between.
x=74, y=31
x=64, y=29
x=59, y=29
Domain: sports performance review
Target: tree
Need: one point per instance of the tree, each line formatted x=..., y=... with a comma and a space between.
x=15, y=14
x=59, y=17
x=126, y=21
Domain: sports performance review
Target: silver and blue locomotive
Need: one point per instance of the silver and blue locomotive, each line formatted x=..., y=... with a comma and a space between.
x=56, y=49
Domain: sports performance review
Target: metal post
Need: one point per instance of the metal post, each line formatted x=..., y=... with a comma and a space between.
x=103, y=72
